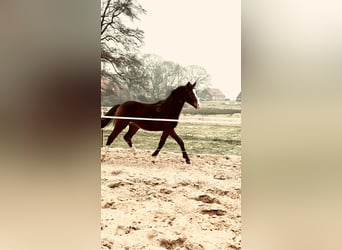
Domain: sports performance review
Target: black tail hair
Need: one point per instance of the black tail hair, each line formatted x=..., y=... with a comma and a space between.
x=105, y=121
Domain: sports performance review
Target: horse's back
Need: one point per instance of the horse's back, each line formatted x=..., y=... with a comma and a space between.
x=137, y=109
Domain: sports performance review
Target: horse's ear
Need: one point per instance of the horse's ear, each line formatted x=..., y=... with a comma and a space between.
x=188, y=84
x=193, y=85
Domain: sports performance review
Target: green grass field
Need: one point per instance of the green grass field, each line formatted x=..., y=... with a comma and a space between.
x=213, y=108
x=198, y=138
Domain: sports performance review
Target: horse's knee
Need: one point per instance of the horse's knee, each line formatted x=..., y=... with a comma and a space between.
x=181, y=144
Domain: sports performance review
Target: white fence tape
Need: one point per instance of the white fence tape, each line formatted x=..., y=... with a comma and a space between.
x=236, y=123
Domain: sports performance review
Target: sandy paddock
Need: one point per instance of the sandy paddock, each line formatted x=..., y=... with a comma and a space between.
x=169, y=204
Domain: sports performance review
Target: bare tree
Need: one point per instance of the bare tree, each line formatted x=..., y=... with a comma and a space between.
x=198, y=74
x=119, y=42
x=163, y=76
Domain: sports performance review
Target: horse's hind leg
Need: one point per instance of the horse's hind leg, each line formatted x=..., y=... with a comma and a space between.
x=181, y=144
x=119, y=126
x=128, y=136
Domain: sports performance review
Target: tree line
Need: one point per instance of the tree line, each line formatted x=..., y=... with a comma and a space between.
x=128, y=73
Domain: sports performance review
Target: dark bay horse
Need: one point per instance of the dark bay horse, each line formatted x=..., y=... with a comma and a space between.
x=169, y=108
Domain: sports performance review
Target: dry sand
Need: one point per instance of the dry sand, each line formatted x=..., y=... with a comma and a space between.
x=169, y=204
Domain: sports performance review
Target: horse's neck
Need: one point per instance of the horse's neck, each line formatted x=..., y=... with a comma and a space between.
x=173, y=106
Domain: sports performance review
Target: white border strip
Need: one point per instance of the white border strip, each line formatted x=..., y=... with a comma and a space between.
x=170, y=120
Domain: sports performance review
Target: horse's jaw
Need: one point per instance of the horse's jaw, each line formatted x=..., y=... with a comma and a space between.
x=196, y=105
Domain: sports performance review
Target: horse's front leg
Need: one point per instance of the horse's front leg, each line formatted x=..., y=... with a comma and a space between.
x=181, y=144
x=161, y=143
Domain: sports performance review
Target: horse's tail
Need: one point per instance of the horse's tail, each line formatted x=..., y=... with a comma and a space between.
x=105, y=121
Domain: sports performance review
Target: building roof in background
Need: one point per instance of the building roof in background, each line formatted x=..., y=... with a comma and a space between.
x=214, y=92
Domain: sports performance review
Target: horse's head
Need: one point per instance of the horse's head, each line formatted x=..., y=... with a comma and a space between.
x=190, y=95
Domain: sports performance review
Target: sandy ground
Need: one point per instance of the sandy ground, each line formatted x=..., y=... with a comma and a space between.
x=169, y=204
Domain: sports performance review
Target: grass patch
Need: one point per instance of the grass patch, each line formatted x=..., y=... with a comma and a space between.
x=211, y=111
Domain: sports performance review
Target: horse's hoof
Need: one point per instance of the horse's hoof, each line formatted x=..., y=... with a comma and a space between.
x=187, y=161
x=134, y=150
x=155, y=158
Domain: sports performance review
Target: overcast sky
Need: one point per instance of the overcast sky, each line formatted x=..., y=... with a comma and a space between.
x=197, y=32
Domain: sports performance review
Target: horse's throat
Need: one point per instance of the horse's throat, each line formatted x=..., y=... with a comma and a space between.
x=177, y=108
x=173, y=106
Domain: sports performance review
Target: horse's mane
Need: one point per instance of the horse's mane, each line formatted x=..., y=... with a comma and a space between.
x=170, y=103
x=175, y=92
x=172, y=94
